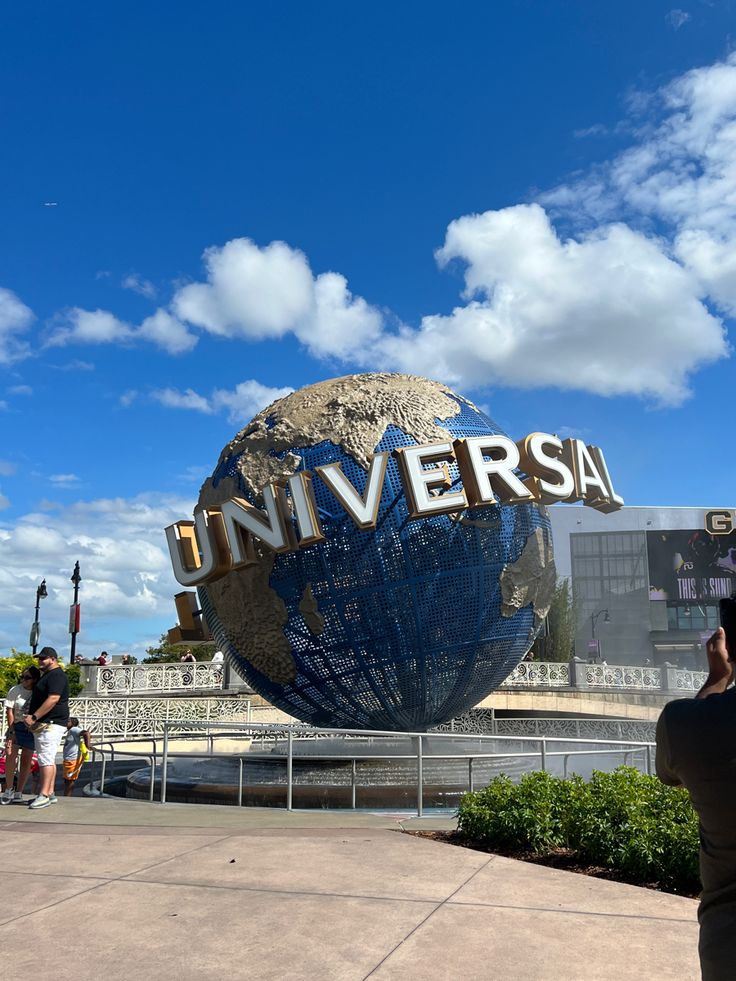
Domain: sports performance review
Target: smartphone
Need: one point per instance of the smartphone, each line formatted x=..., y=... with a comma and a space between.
x=728, y=622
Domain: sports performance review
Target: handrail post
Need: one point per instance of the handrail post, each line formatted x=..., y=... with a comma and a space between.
x=543, y=753
x=649, y=760
x=102, y=775
x=165, y=762
x=240, y=782
x=470, y=775
x=152, y=781
x=289, y=770
x=353, y=775
x=420, y=778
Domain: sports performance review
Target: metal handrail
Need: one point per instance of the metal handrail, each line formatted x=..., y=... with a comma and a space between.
x=611, y=747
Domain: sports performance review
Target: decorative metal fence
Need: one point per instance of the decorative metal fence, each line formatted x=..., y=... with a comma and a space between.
x=125, y=679
x=131, y=717
x=119, y=679
x=539, y=674
x=625, y=677
x=578, y=675
x=415, y=752
x=485, y=722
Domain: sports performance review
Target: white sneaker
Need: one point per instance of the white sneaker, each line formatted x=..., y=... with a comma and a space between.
x=17, y=795
x=6, y=797
x=41, y=801
x=53, y=799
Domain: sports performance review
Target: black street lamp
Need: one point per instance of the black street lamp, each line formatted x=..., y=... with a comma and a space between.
x=74, y=613
x=36, y=628
x=594, y=620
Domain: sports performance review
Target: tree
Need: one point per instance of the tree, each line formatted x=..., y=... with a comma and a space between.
x=166, y=652
x=11, y=668
x=562, y=619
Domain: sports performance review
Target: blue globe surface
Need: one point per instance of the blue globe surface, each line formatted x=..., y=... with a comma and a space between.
x=402, y=627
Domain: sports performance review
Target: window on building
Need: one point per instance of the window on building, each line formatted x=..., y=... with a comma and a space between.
x=695, y=617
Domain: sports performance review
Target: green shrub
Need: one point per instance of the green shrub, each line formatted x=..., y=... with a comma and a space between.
x=75, y=682
x=528, y=815
x=11, y=668
x=622, y=820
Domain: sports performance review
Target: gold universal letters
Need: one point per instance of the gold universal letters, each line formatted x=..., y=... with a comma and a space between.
x=493, y=470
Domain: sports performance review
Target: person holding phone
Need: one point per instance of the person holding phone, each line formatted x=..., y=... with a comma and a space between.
x=696, y=748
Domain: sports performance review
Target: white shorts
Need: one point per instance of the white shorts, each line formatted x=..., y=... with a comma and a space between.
x=48, y=741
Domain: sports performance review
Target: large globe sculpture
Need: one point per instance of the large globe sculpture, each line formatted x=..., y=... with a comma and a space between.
x=400, y=627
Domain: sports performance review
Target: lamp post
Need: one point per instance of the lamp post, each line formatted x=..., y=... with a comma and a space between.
x=594, y=620
x=594, y=646
x=36, y=628
x=74, y=613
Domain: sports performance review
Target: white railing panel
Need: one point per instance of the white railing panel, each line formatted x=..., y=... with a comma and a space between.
x=123, y=679
x=539, y=674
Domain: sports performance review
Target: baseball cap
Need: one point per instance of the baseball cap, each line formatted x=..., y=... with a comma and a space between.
x=48, y=652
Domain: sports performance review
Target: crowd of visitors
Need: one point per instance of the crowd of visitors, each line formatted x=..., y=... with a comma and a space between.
x=37, y=719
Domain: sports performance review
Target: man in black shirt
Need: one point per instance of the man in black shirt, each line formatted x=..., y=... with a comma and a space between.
x=48, y=713
x=695, y=747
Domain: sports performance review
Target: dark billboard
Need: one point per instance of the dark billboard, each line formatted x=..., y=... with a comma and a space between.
x=691, y=566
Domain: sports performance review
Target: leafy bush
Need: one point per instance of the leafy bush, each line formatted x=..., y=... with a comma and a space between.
x=11, y=668
x=75, y=681
x=622, y=820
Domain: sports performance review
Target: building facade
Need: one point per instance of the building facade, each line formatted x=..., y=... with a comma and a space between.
x=646, y=581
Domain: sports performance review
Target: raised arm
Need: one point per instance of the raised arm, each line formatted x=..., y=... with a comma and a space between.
x=720, y=666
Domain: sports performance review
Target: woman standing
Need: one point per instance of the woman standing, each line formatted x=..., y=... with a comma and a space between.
x=18, y=738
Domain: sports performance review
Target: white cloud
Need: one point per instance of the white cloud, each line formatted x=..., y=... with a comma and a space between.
x=608, y=313
x=128, y=398
x=597, y=129
x=246, y=400
x=139, y=285
x=680, y=175
x=167, y=333
x=255, y=293
x=15, y=319
x=240, y=403
x=625, y=301
x=676, y=18
x=7, y=469
x=338, y=322
x=250, y=292
x=78, y=326
x=172, y=398
x=64, y=479
x=74, y=365
x=195, y=474
x=20, y=390
x=4, y=502
x=124, y=562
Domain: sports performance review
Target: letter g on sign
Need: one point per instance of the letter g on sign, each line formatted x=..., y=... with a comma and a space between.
x=719, y=522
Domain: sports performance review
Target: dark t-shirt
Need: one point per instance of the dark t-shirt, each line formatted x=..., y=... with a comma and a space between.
x=696, y=747
x=55, y=682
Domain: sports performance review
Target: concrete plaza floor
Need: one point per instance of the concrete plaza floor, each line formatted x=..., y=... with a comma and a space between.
x=111, y=889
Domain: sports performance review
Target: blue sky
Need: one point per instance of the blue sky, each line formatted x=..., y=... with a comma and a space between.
x=204, y=205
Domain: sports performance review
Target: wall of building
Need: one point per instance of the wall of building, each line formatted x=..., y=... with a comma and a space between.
x=605, y=557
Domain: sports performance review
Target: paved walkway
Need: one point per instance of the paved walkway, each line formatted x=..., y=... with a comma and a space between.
x=108, y=889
